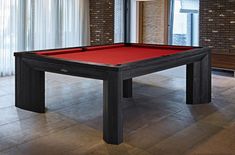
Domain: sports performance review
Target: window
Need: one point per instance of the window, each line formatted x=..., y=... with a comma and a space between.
x=185, y=22
x=8, y=30
x=119, y=21
x=40, y=24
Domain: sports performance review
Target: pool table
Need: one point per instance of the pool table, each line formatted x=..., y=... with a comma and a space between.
x=116, y=65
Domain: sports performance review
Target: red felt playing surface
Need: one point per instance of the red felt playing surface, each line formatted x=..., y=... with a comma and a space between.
x=114, y=55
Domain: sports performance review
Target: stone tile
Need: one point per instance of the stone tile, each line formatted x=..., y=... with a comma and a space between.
x=162, y=103
x=156, y=120
x=185, y=139
x=6, y=143
x=12, y=114
x=152, y=91
x=178, y=84
x=198, y=112
x=106, y=149
x=229, y=93
x=177, y=72
x=157, y=131
x=3, y=93
x=135, y=116
x=223, y=82
x=7, y=81
x=65, y=100
x=223, y=117
x=139, y=116
x=8, y=90
x=7, y=100
x=178, y=96
x=222, y=143
x=34, y=127
x=77, y=137
x=95, y=123
x=221, y=102
x=83, y=112
x=73, y=89
x=12, y=151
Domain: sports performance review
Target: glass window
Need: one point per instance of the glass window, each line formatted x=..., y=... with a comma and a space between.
x=40, y=24
x=119, y=21
x=185, y=21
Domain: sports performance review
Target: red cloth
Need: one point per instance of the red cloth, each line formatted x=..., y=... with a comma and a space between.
x=113, y=55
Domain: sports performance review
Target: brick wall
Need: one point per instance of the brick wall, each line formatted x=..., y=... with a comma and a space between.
x=101, y=22
x=217, y=25
x=153, y=22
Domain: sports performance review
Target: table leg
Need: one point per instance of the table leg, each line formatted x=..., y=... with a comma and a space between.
x=30, y=87
x=127, y=88
x=112, y=112
x=199, y=81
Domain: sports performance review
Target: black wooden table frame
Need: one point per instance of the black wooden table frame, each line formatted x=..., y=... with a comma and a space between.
x=117, y=81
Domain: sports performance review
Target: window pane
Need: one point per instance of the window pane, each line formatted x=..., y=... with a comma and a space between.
x=40, y=24
x=119, y=22
x=185, y=23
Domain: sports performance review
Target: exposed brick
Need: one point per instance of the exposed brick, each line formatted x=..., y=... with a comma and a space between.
x=217, y=24
x=101, y=22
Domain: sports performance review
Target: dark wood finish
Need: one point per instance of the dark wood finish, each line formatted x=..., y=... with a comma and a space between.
x=30, y=91
x=198, y=88
x=30, y=87
x=223, y=61
x=112, y=111
x=127, y=88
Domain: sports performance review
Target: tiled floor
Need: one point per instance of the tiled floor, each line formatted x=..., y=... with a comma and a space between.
x=156, y=121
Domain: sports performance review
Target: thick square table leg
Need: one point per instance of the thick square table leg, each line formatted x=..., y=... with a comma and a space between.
x=30, y=87
x=127, y=88
x=112, y=112
x=199, y=81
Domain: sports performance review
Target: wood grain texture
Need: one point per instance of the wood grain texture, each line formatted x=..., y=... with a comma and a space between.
x=30, y=87
x=223, y=61
x=112, y=111
x=199, y=81
x=127, y=88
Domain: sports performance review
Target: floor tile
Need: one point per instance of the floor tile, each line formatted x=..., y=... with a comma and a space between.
x=157, y=119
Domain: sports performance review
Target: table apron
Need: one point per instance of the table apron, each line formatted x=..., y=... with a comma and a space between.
x=155, y=66
x=86, y=72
